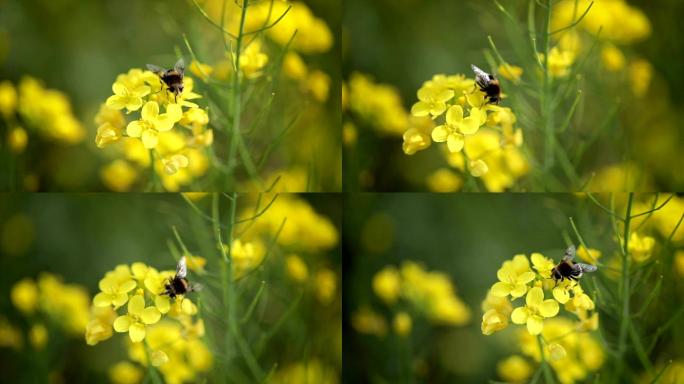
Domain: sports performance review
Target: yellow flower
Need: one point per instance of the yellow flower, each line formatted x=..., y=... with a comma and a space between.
x=151, y=123
x=252, y=60
x=24, y=295
x=195, y=263
x=513, y=278
x=535, y=310
x=640, y=247
x=378, y=105
x=125, y=372
x=294, y=66
x=118, y=176
x=510, y=72
x=514, y=369
x=417, y=137
x=444, y=180
x=311, y=371
x=366, y=321
x=432, y=101
x=542, y=264
x=559, y=62
x=38, y=336
x=123, y=97
x=387, y=284
x=402, y=323
x=493, y=321
x=245, y=256
x=326, y=285
x=613, y=58
x=99, y=327
x=456, y=127
x=590, y=255
x=173, y=163
x=580, y=300
x=296, y=268
x=8, y=99
x=640, y=74
x=115, y=287
x=137, y=318
x=10, y=336
x=318, y=84
x=556, y=351
x=107, y=134
x=203, y=71
x=478, y=168
x=349, y=134
x=561, y=292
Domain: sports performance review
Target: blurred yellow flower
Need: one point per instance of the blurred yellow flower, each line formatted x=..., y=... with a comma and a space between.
x=174, y=163
x=294, y=67
x=510, y=72
x=444, y=180
x=640, y=247
x=590, y=255
x=640, y=74
x=137, y=319
x=202, y=71
x=478, y=168
x=387, y=284
x=17, y=139
x=311, y=371
x=119, y=175
x=8, y=99
x=556, y=351
x=349, y=134
x=535, y=310
x=245, y=256
x=514, y=369
x=296, y=268
x=514, y=275
x=24, y=295
x=99, y=327
x=612, y=57
x=367, y=321
x=378, y=105
x=558, y=62
x=253, y=60
x=318, y=84
x=417, y=137
x=38, y=336
x=195, y=263
x=125, y=372
x=326, y=285
x=10, y=336
x=402, y=324
x=493, y=321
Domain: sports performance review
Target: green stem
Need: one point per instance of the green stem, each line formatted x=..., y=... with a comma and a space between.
x=625, y=319
x=548, y=375
x=154, y=178
x=237, y=95
x=152, y=373
x=546, y=99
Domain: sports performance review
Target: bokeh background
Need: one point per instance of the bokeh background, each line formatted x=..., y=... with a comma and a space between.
x=401, y=44
x=466, y=237
x=78, y=49
x=79, y=237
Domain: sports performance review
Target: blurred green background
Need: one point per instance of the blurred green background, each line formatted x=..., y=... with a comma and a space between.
x=81, y=236
x=404, y=43
x=467, y=237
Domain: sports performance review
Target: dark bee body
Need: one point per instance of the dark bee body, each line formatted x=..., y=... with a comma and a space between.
x=172, y=78
x=488, y=84
x=179, y=285
x=567, y=269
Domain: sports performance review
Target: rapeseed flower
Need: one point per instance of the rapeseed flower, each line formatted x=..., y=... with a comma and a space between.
x=640, y=247
x=125, y=97
x=514, y=369
x=535, y=311
x=444, y=180
x=387, y=284
x=514, y=275
x=136, y=319
x=367, y=321
x=402, y=324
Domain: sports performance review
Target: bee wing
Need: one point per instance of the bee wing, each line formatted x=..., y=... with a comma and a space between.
x=584, y=267
x=180, y=66
x=195, y=287
x=155, y=68
x=182, y=268
x=569, y=253
x=480, y=75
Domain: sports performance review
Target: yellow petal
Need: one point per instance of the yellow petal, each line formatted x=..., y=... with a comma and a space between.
x=561, y=295
x=134, y=129
x=127, y=286
x=501, y=289
x=535, y=324
x=133, y=103
x=478, y=168
x=440, y=133
x=149, y=138
x=116, y=102
x=470, y=125
x=119, y=89
x=519, y=290
x=159, y=358
x=455, y=143
x=150, y=315
x=136, y=332
x=119, y=299
x=549, y=308
x=445, y=95
x=174, y=112
x=526, y=277
x=136, y=305
x=163, y=303
x=150, y=111
x=102, y=299
x=454, y=115
x=420, y=108
x=519, y=315
x=123, y=323
x=141, y=91
x=534, y=297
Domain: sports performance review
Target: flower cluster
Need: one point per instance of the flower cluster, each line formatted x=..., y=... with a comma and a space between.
x=481, y=138
x=132, y=300
x=170, y=134
x=311, y=371
x=518, y=279
x=46, y=300
x=429, y=293
x=30, y=107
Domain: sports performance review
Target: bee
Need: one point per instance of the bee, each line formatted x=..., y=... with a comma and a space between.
x=567, y=269
x=172, y=78
x=179, y=285
x=487, y=84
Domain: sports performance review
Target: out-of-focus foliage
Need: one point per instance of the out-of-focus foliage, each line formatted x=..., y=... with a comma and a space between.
x=65, y=94
x=499, y=251
x=596, y=102
x=82, y=295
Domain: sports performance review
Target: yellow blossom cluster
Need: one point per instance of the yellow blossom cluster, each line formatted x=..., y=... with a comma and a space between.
x=170, y=134
x=481, y=138
x=30, y=107
x=429, y=293
x=378, y=105
x=617, y=24
x=132, y=300
x=311, y=371
x=518, y=279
